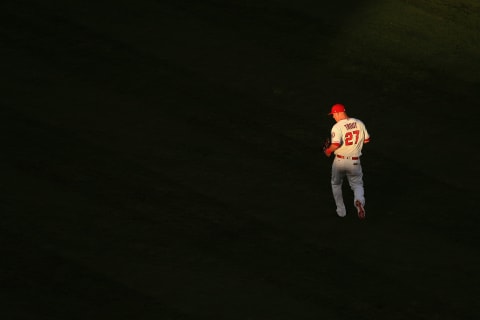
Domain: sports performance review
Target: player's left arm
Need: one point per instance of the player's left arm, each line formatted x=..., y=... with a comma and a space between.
x=336, y=141
x=331, y=149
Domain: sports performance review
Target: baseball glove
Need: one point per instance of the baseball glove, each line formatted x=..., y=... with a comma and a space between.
x=326, y=144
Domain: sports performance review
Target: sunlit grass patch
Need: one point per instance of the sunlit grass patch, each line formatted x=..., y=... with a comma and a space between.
x=416, y=40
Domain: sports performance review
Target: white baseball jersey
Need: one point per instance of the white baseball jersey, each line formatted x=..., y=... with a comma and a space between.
x=349, y=134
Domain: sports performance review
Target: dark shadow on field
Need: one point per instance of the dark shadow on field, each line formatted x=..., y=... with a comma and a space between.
x=163, y=161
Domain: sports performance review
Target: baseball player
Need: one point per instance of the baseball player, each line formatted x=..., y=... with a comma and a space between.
x=347, y=138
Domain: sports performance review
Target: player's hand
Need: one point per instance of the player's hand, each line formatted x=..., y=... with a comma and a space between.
x=326, y=147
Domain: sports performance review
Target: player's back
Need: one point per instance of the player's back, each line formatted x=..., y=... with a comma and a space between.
x=351, y=134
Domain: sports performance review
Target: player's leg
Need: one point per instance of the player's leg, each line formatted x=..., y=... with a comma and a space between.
x=355, y=180
x=337, y=180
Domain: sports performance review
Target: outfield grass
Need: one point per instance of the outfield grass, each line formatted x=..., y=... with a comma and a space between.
x=162, y=160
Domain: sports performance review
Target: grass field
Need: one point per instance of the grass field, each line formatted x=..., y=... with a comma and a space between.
x=162, y=159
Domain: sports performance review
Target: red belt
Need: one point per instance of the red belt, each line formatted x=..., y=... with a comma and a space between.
x=342, y=157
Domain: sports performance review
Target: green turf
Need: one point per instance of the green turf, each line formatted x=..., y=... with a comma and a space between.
x=161, y=159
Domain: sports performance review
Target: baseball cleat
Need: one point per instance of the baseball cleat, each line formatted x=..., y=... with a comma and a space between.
x=360, y=209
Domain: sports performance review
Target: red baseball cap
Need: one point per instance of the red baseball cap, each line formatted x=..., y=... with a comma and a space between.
x=337, y=108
